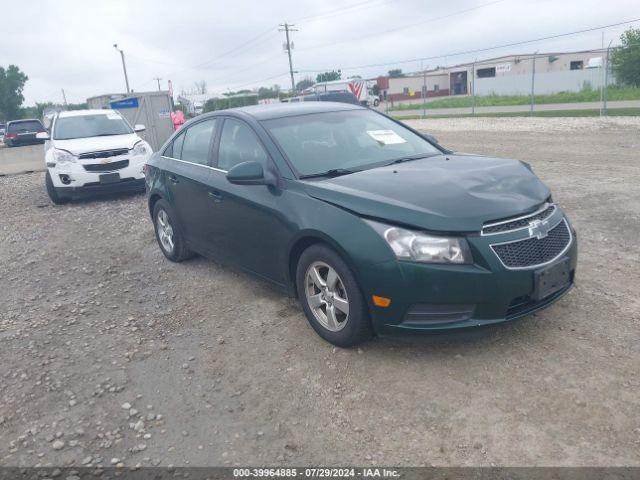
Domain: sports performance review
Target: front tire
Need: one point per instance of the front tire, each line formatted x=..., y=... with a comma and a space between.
x=53, y=191
x=168, y=233
x=331, y=298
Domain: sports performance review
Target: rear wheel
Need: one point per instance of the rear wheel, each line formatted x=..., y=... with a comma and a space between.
x=168, y=233
x=331, y=297
x=53, y=191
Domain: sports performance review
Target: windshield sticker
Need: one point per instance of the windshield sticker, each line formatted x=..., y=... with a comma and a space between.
x=386, y=137
x=113, y=116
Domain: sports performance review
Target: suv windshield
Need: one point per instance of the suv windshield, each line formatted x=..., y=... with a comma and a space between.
x=27, y=126
x=84, y=126
x=347, y=140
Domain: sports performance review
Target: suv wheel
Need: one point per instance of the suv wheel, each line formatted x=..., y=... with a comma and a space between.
x=331, y=297
x=53, y=191
x=168, y=233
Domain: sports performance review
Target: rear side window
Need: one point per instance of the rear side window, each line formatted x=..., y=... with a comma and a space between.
x=238, y=144
x=196, y=142
x=25, y=127
x=174, y=150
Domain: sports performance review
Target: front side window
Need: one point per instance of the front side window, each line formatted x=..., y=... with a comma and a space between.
x=196, y=142
x=352, y=140
x=85, y=126
x=238, y=144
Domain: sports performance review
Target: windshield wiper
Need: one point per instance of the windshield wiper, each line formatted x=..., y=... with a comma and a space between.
x=412, y=157
x=334, y=172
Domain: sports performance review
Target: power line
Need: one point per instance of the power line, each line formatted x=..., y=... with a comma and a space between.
x=395, y=29
x=466, y=52
x=352, y=7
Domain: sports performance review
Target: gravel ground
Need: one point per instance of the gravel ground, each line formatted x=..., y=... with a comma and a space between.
x=112, y=355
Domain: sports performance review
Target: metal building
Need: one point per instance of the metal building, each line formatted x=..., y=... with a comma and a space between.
x=153, y=109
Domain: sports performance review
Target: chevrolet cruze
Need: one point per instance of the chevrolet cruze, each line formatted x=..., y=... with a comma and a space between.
x=373, y=226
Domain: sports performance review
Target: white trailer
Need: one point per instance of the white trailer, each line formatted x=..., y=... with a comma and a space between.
x=360, y=88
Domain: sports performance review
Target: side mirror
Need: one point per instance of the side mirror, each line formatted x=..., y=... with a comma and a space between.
x=139, y=128
x=42, y=135
x=249, y=173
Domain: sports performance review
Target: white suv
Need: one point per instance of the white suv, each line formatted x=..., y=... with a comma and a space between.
x=93, y=151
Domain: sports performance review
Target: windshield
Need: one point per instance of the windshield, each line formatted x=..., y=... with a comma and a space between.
x=85, y=126
x=27, y=126
x=348, y=140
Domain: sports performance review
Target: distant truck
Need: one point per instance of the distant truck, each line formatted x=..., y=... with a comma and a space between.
x=360, y=88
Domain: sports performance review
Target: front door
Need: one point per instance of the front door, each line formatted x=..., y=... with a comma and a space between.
x=246, y=225
x=188, y=180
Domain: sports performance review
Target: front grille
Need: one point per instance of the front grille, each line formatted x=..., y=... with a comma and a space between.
x=533, y=251
x=106, y=167
x=517, y=223
x=103, y=154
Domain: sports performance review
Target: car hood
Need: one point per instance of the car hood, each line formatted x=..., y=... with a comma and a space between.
x=78, y=146
x=453, y=193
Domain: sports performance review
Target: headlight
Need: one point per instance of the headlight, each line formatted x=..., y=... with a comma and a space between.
x=422, y=247
x=139, y=149
x=62, y=156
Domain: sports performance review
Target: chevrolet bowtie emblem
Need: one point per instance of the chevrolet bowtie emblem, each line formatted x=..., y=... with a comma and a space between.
x=538, y=229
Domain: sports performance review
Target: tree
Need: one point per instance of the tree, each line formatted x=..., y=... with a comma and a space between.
x=305, y=83
x=396, y=73
x=201, y=87
x=12, y=82
x=626, y=59
x=329, y=76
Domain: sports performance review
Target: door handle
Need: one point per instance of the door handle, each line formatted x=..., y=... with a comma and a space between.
x=215, y=195
x=173, y=179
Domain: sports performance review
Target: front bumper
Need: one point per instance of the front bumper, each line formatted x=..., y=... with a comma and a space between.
x=74, y=180
x=433, y=298
x=125, y=185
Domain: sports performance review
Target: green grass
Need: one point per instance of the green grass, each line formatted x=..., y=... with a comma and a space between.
x=611, y=112
x=613, y=94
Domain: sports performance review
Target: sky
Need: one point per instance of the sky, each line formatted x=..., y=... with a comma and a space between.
x=231, y=45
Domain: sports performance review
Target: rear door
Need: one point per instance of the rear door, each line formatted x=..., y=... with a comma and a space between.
x=187, y=177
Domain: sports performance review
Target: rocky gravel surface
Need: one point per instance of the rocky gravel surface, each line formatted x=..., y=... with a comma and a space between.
x=112, y=356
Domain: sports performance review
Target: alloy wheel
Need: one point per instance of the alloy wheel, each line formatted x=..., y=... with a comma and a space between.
x=165, y=231
x=327, y=296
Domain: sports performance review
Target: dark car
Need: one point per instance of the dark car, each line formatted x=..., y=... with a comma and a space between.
x=23, y=132
x=373, y=227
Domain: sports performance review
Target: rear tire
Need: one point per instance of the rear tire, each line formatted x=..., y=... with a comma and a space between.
x=53, y=191
x=168, y=233
x=331, y=298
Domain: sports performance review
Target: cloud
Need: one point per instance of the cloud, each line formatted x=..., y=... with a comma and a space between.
x=69, y=44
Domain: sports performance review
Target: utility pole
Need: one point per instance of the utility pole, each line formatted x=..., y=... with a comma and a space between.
x=606, y=80
x=286, y=27
x=424, y=91
x=473, y=88
x=124, y=67
x=158, y=80
x=533, y=81
x=64, y=98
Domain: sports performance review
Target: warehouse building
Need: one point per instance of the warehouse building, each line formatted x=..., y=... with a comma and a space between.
x=506, y=75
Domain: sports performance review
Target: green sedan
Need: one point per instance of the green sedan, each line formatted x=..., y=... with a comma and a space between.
x=375, y=227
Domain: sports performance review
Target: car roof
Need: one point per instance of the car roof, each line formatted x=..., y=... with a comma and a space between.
x=80, y=113
x=24, y=120
x=279, y=110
